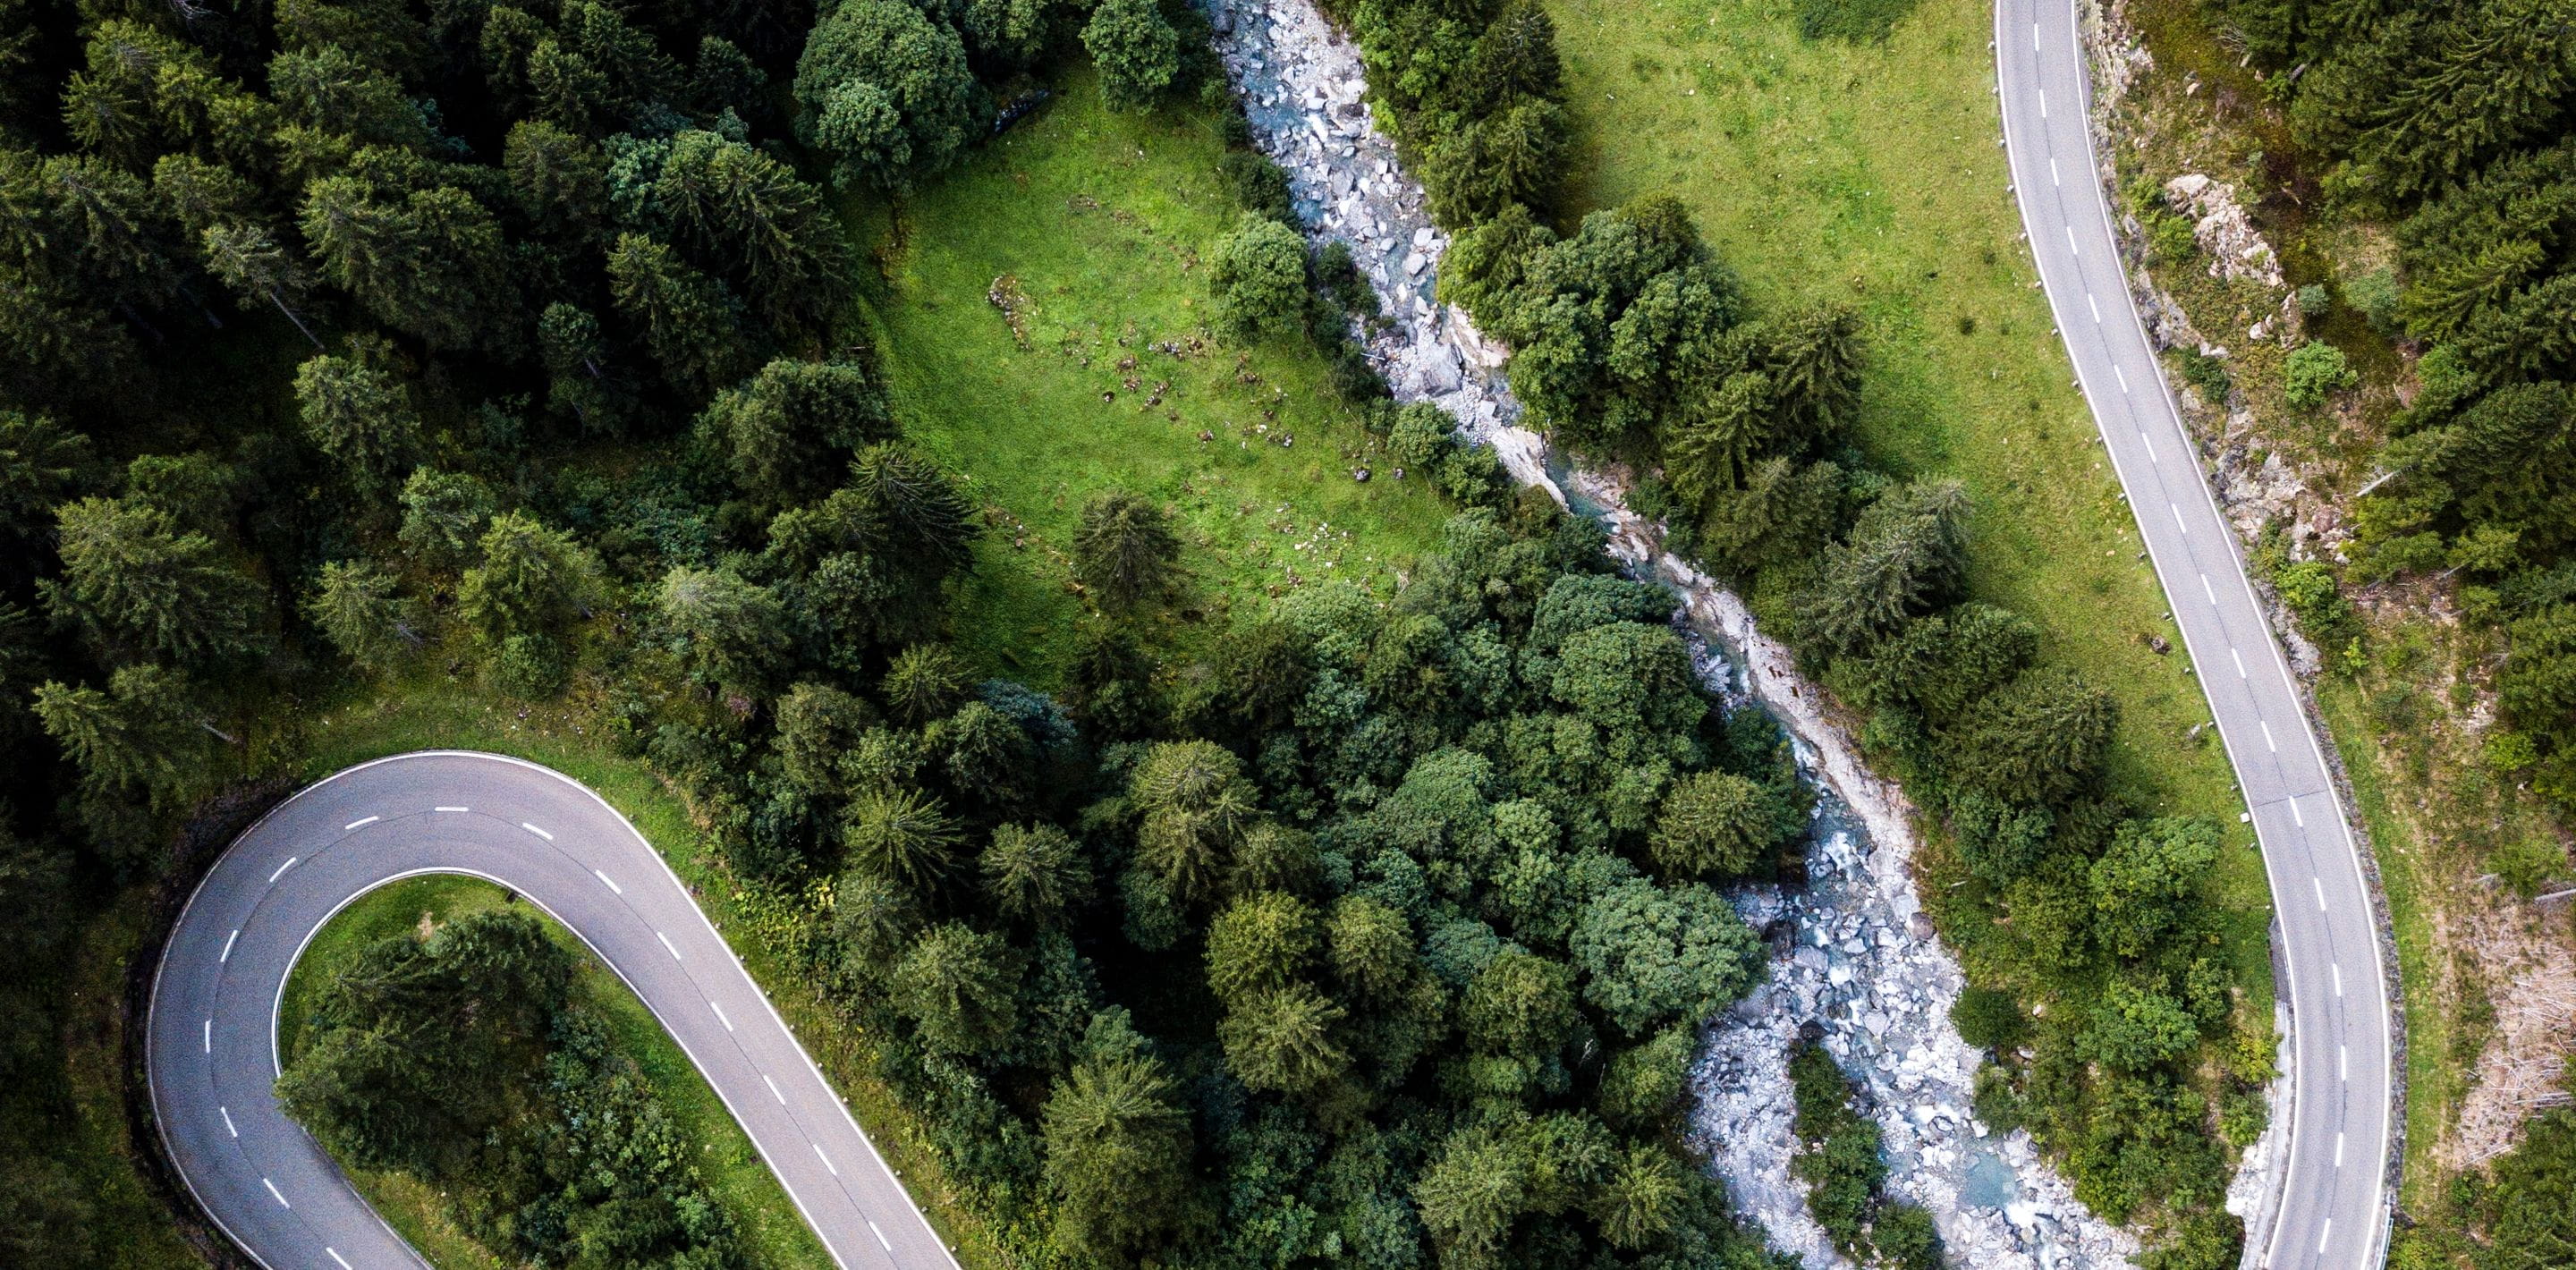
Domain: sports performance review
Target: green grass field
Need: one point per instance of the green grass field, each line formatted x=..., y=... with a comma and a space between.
x=1869, y=174
x=1100, y=222
x=774, y=1236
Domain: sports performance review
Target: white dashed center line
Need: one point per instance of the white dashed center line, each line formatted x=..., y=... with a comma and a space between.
x=2321, y=892
x=2097, y=308
x=881, y=1239
x=827, y=1160
x=228, y=1121
x=2338, y=1149
x=720, y=1015
x=2180, y=527
x=2343, y=1062
x=534, y=830
x=666, y=945
x=2205, y=588
x=612, y=882
x=2337, y=968
x=2295, y=817
x=274, y=1193
x=335, y=1256
x=360, y=824
x=2239, y=659
x=2267, y=736
x=2052, y=171
x=2324, y=1232
x=210, y=1036
x=2123, y=375
x=227, y=953
x=2034, y=37
x=2147, y=445
x=2043, y=103
x=2071, y=249
x=448, y=809
x=281, y=869
x=773, y=1089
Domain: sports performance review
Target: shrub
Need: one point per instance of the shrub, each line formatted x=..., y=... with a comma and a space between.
x=1138, y=53
x=1259, y=278
x=2313, y=371
x=1257, y=185
x=2315, y=302
x=1989, y=1019
x=2528, y=864
x=2206, y=374
x=2375, y=296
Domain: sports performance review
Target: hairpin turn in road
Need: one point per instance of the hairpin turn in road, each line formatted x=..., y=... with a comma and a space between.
x=2333, y=1208
x=211, y=1044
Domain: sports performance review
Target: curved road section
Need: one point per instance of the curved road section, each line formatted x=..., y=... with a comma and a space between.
x=2333, y=1206
x=211, y=1048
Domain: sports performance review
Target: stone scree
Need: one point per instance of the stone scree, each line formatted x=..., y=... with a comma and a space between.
x=1853, y=958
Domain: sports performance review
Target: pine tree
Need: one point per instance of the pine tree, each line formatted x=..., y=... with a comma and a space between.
x=731, y=633
x=688, y=318
x=363, y=612
x=532, y=581
x=431, y=264
x=360, y=416
x=133, y=577
x=1124, y=549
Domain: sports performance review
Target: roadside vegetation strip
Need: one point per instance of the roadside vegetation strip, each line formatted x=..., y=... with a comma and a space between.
x=433, y=1212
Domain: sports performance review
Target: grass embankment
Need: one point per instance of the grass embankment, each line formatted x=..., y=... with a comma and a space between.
x=1868, y=174
x=774, y=1236
x=1043, y=316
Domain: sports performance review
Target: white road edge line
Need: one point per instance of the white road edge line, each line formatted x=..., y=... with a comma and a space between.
x=720, y=1014
x=827, y=1160
x=773, y=1089
x=360, y=824
x=881, y=1239
x=281, y=869
x=228, y=1121
x=273, y=1192
x=667, y=946
x=227, y=953
x=612, y=882
x=534, y=830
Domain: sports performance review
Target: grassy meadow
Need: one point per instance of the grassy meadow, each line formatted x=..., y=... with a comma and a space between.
x=1043, y=316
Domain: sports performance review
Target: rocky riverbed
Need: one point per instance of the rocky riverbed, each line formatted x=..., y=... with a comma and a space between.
x=1853, y=958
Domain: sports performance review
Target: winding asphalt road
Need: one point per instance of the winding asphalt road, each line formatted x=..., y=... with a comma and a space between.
x=2334, y=1201
x=211, y=1050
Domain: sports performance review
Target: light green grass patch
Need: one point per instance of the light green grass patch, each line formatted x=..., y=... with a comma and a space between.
x=1101, y=223
x=1869, y=174
x=774, y=1235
